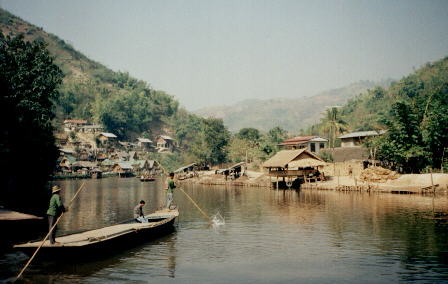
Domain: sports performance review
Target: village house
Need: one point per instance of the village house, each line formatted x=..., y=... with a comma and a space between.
x=293, y=167
x=107, y=165
x=165, y=143
x=73, y=124
x=66, y=151
x=186, y=171
x=65, y=163
x=83, y=167
x=61, y=139
x=100, y=154
x=144, y=143
x=92, y=128
x=124, y=169
x=107, y=138
x=312, y=143
x=234, y=171
x=358, y=138
x=145, y=166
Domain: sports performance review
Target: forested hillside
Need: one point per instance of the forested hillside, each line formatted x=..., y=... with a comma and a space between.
x=291, y=114
x=125, y=105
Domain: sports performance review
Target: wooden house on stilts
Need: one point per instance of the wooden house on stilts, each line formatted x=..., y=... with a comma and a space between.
x=290, y=168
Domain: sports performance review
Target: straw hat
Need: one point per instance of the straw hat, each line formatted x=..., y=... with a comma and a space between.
x=55, y=189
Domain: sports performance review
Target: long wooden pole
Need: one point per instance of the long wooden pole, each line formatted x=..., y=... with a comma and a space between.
x=191, y=199
x=46, y=237
x=197, y=206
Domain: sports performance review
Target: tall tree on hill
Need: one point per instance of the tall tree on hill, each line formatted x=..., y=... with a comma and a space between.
x=250, y=134
x=209, y=146
x=333, y=125
x=28, y=87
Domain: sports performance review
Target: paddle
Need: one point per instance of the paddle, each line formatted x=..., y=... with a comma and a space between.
x=46, y=237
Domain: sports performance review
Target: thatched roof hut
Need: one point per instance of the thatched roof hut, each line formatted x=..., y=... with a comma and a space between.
x=294, y=159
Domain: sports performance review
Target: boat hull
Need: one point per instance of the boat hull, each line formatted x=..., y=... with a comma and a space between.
x=106, y=246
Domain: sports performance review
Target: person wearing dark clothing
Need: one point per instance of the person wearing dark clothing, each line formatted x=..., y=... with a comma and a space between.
x=55, y=209
x=138, y=212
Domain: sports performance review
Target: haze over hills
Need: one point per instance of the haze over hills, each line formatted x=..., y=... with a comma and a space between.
x=291, y=114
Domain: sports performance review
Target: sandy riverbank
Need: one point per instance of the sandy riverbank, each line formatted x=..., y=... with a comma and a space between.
x=413, y=183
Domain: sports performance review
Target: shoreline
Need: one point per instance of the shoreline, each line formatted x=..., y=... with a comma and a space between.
x=406, y=183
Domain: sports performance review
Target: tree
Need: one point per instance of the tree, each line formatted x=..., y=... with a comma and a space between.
x=28, y=86
x=333, y=125
x=277, y=135
x=251, y=134
x=210, y=143
x=402, y=146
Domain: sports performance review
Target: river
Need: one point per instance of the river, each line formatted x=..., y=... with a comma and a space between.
x=269, y=237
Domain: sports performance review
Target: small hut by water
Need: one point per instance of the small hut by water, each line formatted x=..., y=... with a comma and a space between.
x=294, y=167
x=187, y=171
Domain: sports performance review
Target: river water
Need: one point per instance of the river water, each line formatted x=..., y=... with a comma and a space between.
x=269, y=237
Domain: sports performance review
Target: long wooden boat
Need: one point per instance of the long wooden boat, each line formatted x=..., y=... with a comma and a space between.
x=105, y=240
x=147, y=178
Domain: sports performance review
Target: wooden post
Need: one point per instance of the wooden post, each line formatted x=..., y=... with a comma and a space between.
x=432, y=183
x=277, y=183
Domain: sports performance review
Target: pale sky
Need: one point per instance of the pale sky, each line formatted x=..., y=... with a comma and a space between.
x=219, y=52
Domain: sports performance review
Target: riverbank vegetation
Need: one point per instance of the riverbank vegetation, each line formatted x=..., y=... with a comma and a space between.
x=414, y=111
x=28, y=86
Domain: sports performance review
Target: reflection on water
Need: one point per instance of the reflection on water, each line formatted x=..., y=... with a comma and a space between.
x=268, y=236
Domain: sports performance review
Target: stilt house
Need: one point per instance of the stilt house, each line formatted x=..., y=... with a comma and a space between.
x=292, y=165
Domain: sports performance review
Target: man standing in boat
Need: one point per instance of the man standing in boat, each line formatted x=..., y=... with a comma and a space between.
x=171, y=185
x=138, y=212
x=55, y=209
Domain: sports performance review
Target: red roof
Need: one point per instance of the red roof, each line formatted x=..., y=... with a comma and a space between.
x=297, y=140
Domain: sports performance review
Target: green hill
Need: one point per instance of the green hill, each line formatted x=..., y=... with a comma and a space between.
x=291, y=114
x=414, y=111
x=125, y=105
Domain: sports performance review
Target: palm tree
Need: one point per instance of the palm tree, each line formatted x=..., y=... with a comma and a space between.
x=333, y=124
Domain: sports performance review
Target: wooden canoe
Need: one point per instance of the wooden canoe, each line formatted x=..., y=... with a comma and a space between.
x=148, y=178
x=106, y=240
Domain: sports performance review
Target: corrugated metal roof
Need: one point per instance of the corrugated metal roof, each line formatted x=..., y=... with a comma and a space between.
x=303, y=140
x=67, y=151
x=144, y=140
x=77, y=121
x=184, y=167
x=166, y=137
x=108, y=162
x=84, y=164
x=125, y=165
x=362, y=134
x=108, y=135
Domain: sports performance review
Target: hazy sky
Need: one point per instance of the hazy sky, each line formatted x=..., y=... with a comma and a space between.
x=219, y=52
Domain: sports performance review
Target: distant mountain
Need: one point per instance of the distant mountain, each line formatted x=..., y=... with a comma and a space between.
x=291, y=114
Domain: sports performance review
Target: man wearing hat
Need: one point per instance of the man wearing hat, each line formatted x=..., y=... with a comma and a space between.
x=54, y=210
